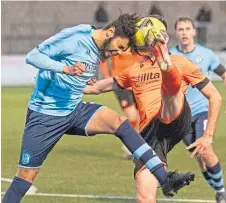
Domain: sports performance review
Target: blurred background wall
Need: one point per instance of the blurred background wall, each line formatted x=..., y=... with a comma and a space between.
x=25, y=24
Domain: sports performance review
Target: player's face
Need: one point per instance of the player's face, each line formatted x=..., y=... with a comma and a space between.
x=185, y=32
x=114, y=46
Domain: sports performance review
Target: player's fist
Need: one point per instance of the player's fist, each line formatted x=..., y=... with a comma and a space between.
x=76, y=69
x=92, y=81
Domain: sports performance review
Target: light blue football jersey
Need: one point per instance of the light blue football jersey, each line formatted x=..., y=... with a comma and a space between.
x=56, y=93
x=207, y=61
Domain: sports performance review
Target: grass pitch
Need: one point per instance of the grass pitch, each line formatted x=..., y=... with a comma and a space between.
x=92, y=165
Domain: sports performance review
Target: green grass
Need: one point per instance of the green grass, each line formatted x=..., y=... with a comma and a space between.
x=91, y=165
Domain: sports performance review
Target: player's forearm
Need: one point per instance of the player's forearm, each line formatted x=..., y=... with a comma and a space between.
x=101, y=86
x=215, y=101
x=42, y=61
x=224, y=78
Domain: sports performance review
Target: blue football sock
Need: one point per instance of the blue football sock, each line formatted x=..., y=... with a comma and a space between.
x=214, y=177
x=141, y=150
x=16, y=191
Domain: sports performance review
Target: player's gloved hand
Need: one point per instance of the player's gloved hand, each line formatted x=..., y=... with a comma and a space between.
x=155, y=36
x=156, y=39
x=200, y=145
x=162, y=56
x=92, y=81
x=76, y=69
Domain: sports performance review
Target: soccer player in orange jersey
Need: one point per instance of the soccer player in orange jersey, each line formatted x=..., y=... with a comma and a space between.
x=159, y=88
x=125, y=97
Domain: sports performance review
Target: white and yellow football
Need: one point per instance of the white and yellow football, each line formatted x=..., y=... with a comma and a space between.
x=150, y=31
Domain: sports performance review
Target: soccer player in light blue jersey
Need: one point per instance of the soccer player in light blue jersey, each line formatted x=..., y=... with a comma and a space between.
x=66, y=62
x=207, y=61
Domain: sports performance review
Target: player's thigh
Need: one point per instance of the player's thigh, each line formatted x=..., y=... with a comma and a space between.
x=131, y=112
x=41, y=133
x=200, y=124
x=105, y=121
x=172, y=107
x=174, y=132
x=146, y=187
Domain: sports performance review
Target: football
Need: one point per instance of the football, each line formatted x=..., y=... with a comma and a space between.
x=150, y=31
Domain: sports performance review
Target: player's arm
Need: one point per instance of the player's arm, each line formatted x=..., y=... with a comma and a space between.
x=194, y=76
x=215, y=100
x=216, y=66
x=221, y=71
x=119, y=82
x=101, y=86
x=42, y=56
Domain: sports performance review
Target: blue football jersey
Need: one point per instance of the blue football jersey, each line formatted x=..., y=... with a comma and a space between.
x=56, y=93
x=207, y=61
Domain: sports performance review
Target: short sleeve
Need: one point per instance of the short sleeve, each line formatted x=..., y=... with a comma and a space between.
x=123, y=79
x=214, y=61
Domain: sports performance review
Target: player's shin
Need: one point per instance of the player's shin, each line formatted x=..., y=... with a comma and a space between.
x=141, y=150
x=16, y=191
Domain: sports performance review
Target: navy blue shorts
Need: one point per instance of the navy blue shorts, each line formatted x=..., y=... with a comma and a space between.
x=197, y=129
x=43, y=131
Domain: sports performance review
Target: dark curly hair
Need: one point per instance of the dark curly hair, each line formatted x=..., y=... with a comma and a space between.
x=125, y=26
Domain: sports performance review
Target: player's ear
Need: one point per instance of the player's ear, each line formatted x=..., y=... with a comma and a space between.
x=194, y=32
x=110, y=32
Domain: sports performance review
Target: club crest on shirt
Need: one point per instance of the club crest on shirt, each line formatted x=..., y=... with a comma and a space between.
x=198, y=59
x=26, y=158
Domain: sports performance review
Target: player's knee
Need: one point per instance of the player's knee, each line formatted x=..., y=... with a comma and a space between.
x=27, y=174
x=116, y=122
x=124, y=103
x=145, y=198
x=209, y=154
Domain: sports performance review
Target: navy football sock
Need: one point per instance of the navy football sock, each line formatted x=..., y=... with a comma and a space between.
x=214, y=177
x=141, y=150
x=16, y=191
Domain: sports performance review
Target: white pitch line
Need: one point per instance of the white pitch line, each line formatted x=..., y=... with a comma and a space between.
x=115, y=197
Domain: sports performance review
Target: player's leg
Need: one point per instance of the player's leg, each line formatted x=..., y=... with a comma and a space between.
x=146, y=183
x=40, y=135
x=95, y=119
x=109, y=122
x=146, y=187
x=172, y=96
x=209, y=163
x=128, y=104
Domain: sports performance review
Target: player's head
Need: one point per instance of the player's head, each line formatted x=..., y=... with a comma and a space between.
x=120, y=35
x=185, y=31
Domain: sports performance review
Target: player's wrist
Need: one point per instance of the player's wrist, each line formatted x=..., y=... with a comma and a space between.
x=66, y=69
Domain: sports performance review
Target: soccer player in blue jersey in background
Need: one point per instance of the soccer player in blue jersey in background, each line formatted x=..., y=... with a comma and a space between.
x=207, y=61
x=66, y=62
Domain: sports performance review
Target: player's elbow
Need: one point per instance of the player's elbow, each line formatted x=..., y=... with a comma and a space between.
x=31, y=56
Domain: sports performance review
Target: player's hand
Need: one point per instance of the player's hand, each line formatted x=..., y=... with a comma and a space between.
x=154, y=36
x=162, y=57
x=76, y=69
x=92, y=81
x=200, y=145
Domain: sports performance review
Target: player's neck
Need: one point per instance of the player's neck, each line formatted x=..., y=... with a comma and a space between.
x=98, y=37
x=187, y=48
